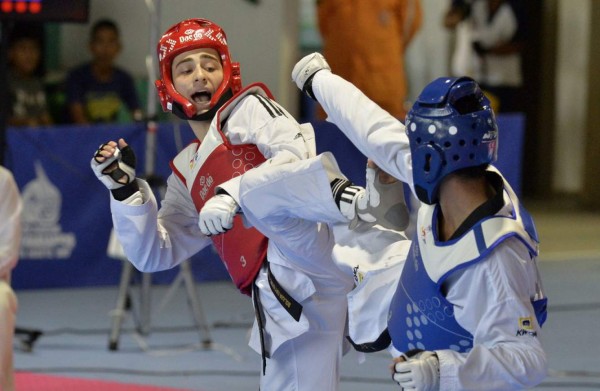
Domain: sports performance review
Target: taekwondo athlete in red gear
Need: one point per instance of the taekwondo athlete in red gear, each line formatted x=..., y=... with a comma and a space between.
x=237, y=129
x=481, y=271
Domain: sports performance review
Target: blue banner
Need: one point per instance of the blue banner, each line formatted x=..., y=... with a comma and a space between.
x=67, y=219
x=66, y=214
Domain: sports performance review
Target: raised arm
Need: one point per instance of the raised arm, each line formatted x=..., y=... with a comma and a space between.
x=375, y=132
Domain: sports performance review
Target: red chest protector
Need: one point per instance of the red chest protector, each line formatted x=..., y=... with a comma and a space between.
x=202, y=168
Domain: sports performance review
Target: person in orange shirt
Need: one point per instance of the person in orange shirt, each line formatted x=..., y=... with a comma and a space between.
x=364, y=42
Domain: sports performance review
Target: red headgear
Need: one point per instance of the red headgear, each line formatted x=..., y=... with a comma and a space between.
x=188, y=35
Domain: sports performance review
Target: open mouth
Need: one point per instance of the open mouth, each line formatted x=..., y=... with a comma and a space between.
x=201, y=97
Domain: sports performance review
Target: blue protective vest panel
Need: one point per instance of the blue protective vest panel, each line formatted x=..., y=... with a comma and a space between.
x=420, y=317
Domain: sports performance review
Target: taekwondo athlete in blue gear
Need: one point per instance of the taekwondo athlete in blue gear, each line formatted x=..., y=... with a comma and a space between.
x=453, y=134
x=475, y=245
x=474, y=148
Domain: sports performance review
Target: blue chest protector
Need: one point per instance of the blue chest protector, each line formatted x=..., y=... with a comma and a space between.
x=420, y=317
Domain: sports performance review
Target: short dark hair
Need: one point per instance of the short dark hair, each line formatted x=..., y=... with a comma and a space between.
x=25, y=30
x=474, y=172
x=103, y=24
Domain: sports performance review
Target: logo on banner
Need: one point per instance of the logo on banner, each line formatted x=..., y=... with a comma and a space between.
x=43, y=237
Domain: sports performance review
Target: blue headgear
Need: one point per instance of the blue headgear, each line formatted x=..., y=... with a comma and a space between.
x=451, y=126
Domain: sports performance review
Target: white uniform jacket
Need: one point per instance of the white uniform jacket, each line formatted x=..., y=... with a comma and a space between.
x=484, y=289
x=155, y=240
x=158, y=240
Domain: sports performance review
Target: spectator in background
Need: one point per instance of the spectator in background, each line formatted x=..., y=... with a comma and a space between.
x=457, y=21
x=10, y=240
x=497, y=41
x=364, y=42
x=28, y=105
x=469, y=303
x=97, y=91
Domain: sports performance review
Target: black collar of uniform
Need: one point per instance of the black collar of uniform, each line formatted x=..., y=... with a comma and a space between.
x=488, y=208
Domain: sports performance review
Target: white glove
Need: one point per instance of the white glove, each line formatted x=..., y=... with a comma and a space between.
x=216, y=217
x=382, y=203
x=306, y=68
x=369, y=198
x=420, y=373
x=117, y=169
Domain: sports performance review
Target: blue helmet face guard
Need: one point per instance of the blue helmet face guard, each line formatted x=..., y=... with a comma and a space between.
x=451, y=126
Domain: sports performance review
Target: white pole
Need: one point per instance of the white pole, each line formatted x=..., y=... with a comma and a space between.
x=152, y=70
x=151, y=129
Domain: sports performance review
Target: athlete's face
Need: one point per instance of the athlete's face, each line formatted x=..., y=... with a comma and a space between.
x=197, y=74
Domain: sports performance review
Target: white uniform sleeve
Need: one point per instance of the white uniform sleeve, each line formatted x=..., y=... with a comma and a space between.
x=158, y=240
x=10, y=222
x=492, y=301
x=264, y=123
x=376, y=133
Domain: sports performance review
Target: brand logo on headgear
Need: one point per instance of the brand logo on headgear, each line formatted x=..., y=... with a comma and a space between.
x=489, y=136
x=166, y=49
x=198, y=34
x=221, y=39
x=186, y=38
